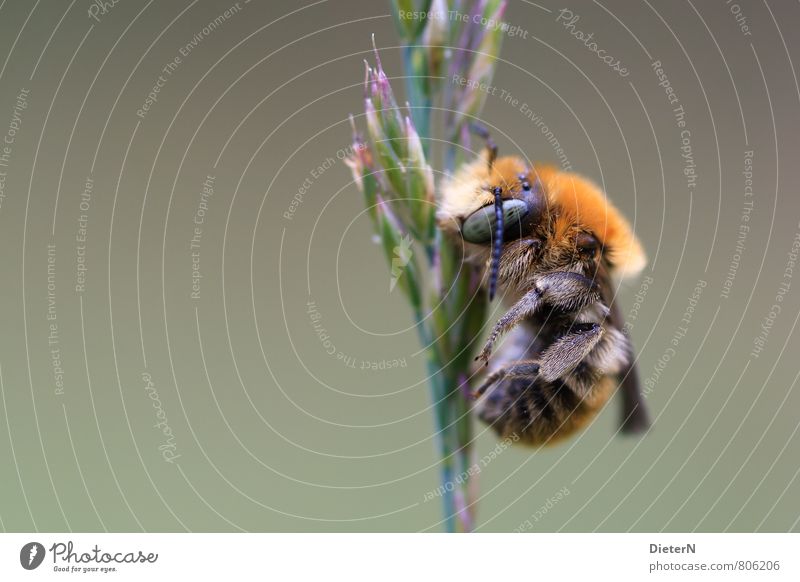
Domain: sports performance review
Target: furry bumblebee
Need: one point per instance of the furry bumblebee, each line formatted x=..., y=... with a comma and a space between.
x=553, y=244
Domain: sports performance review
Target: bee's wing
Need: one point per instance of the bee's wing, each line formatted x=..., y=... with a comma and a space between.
x=635, y=417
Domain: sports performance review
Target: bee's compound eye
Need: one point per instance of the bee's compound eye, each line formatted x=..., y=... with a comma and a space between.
x=479, y=226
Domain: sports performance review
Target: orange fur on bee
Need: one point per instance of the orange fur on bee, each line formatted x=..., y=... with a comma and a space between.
x=574, y=203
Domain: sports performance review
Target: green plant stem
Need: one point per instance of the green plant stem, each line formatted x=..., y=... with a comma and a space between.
x=447, y=371
x=438, y=395
x=448, y=367
x=453, y=431
x=417, y=93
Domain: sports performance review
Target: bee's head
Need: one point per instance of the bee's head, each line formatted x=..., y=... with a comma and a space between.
x=515, y=213
x=536, y=219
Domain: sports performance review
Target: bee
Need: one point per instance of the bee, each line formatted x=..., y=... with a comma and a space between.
x=552, y=244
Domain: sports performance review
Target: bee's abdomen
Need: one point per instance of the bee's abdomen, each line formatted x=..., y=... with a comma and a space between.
x=529, y=410
x=540, y=412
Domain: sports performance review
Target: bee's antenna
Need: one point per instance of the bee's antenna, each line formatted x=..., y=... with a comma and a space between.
x=481, y=131
x=497, y=244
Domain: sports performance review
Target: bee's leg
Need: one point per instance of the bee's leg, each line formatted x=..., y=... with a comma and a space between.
x=523, y=369
x=523, y=308
x=568, y=291
x=567, y=352
x=565, y=290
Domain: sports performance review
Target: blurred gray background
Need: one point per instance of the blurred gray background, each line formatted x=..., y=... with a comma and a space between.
x=128, y=403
